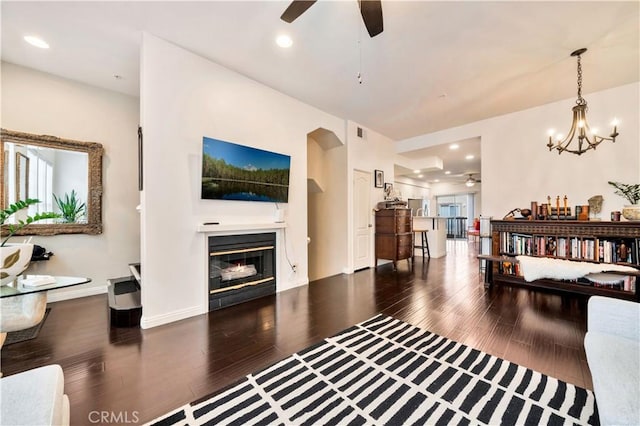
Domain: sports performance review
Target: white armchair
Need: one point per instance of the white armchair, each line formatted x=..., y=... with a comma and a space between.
x=612, y=345
x=34, y=397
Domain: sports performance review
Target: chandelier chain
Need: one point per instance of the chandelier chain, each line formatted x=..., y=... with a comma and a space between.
x=580, y=100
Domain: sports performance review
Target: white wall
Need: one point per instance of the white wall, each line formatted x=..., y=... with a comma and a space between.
x=327, y=223
x=315, y=163
x=371, y=152
x=70, y=174
x=183, y=98
x=35, y=102
x=518, y=168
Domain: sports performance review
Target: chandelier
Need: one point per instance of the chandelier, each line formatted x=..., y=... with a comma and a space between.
x=587, y=137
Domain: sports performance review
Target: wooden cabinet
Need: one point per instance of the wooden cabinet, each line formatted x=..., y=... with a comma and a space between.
x=394, y=235
x=581, y=241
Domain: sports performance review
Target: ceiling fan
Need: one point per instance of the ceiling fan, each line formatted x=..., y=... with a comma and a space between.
x=471, y=181
x=371, y=11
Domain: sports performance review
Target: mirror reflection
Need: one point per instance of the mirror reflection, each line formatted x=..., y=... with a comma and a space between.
x=58, y=178
x=65, y=175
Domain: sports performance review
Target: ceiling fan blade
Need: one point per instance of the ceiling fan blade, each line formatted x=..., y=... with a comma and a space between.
x=371, y=11
x=295, y=9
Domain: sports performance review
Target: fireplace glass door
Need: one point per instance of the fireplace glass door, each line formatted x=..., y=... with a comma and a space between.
x=241, y=267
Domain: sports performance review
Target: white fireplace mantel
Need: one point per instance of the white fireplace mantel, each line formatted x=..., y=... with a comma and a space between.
x=227, y=227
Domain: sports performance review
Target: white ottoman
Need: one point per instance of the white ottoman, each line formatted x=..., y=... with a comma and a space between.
x=34, y=397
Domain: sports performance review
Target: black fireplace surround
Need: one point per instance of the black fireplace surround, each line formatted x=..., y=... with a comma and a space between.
x=241, y=268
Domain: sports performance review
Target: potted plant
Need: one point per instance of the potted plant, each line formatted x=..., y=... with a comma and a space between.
x=71, y=208
x=630, y=192
x=14, y=258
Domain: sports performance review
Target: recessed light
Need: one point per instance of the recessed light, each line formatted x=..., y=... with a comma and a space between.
x=416, y=171
x=36, y=41
x=420, y=176
x=454, y=146
x=469, y=157
x=436, y=180
x=447, y=172
x=284, y=41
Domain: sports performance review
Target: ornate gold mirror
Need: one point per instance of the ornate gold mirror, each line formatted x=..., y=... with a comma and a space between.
x=53, y=170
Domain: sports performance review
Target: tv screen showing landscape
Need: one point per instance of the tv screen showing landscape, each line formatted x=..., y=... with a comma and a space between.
x=237, y=172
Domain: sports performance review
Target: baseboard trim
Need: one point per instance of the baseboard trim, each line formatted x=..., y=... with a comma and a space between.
x=75, y=293
x=155, y=321
x=291, y=285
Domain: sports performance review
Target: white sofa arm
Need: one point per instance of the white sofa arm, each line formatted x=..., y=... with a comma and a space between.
x=34, y=397
x=614, y=316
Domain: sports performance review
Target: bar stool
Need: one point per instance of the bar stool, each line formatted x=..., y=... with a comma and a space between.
x=424, y=241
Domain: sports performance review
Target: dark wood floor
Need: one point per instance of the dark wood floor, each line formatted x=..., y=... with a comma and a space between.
x=140, y=374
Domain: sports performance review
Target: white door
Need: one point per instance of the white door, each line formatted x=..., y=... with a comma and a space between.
x=362, y=219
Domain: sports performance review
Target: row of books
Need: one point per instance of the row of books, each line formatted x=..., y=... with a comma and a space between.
x=626, y=282
x=608, y=250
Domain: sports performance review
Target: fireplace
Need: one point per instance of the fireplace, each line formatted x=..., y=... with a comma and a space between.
x=241, y=268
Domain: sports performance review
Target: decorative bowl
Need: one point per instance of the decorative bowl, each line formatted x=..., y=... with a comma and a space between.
x=14, y=259
x=631, y=212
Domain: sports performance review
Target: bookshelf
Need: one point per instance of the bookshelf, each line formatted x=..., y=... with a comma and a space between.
x=585, y=241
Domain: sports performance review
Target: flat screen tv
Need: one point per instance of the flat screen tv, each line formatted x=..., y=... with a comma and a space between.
x=237, y=172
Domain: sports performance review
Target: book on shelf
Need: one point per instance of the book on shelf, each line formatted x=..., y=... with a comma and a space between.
x=561, y=249
x=624, y=250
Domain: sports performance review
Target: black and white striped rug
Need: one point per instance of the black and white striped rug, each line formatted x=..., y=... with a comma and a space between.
x=387, y=372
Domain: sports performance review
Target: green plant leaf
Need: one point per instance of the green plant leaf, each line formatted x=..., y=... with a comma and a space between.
x=629, y=191
x=70, y=206
x=16, y=207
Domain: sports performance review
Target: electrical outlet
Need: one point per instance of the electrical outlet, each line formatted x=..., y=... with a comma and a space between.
x=294, y=267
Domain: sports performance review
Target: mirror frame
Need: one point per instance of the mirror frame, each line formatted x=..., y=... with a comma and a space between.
x=94, y=174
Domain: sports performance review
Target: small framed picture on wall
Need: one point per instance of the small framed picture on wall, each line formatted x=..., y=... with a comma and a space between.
x=379, y=179
x=388, y=189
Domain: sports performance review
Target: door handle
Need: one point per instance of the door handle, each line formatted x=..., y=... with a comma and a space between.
x=369, y=225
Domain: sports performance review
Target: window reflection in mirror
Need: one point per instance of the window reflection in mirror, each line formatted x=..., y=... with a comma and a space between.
x=55, y=171
x=40, y=172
